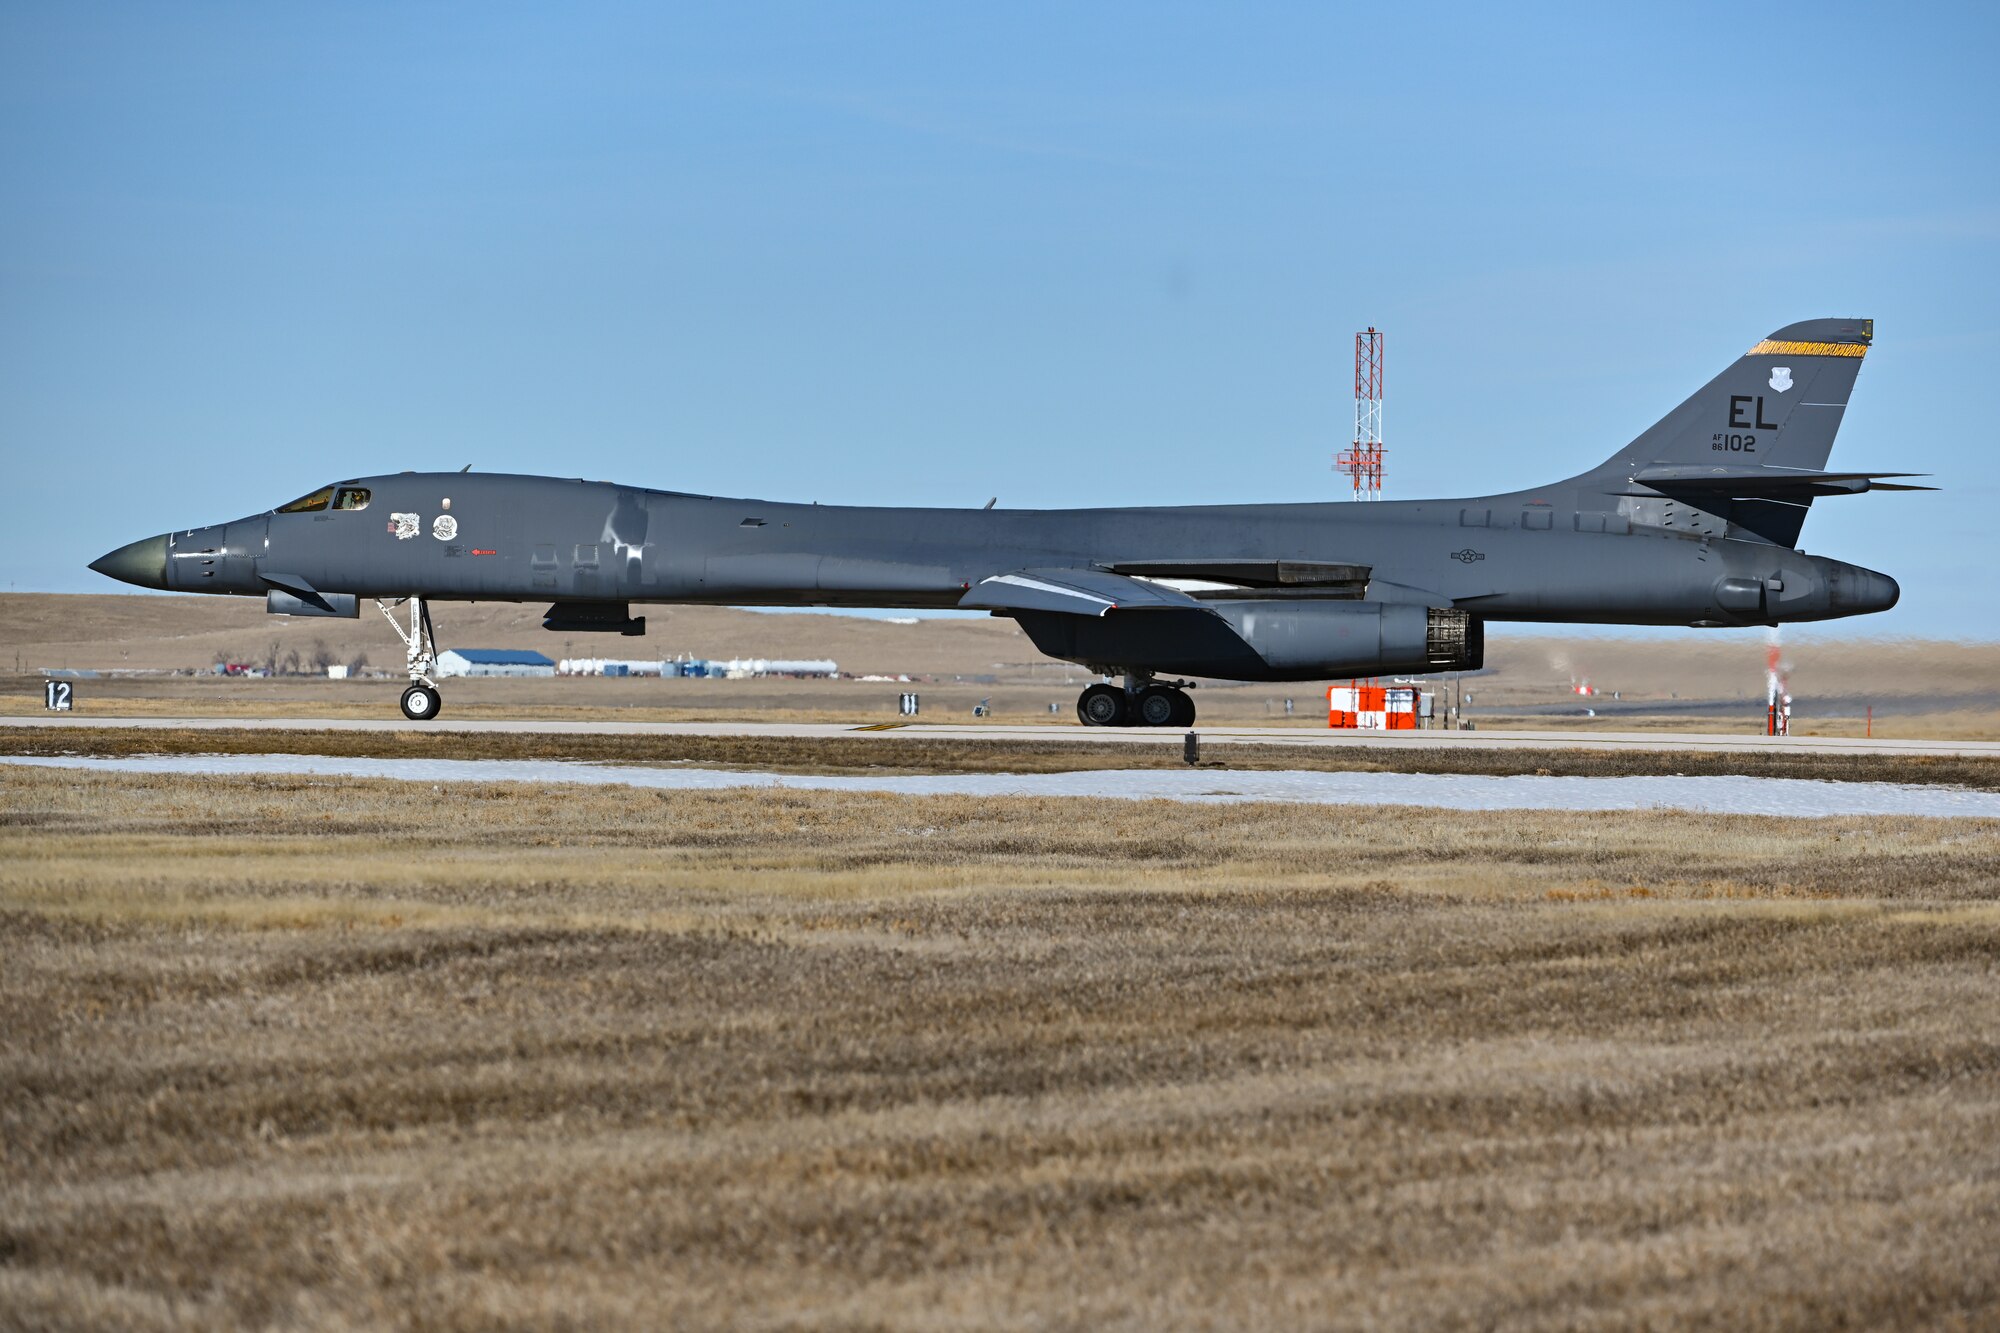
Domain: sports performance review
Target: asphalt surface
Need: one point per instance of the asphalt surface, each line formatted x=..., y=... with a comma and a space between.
x=1076, y=735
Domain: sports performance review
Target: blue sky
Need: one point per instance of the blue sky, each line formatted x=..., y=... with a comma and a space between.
x=931, y=253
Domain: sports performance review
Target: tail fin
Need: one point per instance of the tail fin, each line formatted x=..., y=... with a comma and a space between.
x=1778, y=405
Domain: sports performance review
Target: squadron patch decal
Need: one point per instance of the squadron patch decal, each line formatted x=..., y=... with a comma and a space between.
x=444, y=527
x=404, y=525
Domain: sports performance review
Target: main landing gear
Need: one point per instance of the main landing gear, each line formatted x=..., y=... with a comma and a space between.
x=421, y=701
x=1138, y=703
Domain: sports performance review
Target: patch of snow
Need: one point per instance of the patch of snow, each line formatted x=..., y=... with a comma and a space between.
x=1716, y=795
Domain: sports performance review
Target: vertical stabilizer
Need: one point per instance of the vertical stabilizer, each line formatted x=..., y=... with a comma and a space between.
x=1779, y=405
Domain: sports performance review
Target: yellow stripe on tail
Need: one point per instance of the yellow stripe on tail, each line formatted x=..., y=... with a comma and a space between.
x=1770, y=348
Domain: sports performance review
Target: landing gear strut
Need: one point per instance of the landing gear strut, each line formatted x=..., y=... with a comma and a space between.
x=1139, y=703
x=421, y=701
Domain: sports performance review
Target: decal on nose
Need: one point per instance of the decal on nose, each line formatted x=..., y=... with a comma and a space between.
x=142, y=563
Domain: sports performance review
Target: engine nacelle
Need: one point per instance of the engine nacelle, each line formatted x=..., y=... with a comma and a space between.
x=1260, y=639
x=1319, y=640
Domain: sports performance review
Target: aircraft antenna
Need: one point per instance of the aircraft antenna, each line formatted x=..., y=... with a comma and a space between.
x=1363, y=461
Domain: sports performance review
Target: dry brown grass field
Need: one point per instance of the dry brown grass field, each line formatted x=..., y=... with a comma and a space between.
x=321, y=1054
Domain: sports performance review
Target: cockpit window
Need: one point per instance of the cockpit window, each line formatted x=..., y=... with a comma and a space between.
x=351, y=497
x=310, y=504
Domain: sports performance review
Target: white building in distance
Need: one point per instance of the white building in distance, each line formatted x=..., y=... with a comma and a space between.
x=493, y=662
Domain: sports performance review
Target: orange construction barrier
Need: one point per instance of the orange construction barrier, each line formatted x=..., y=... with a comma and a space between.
x=1358, y=707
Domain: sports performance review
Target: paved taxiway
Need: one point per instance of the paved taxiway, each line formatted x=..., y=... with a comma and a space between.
x=1211, y=735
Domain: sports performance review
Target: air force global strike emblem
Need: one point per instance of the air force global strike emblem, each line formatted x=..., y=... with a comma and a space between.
x=1468, y=555
x=1781, y=378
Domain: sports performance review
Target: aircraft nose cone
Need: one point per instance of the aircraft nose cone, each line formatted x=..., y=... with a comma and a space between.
x=143, y=563
x=1859, y=592
x=1879, y=591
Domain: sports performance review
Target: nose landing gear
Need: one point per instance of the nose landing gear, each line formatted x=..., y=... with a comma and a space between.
x=1139, y=703
x=421, y=702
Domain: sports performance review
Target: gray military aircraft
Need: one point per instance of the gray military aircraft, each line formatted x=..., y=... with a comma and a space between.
x=1695, y=522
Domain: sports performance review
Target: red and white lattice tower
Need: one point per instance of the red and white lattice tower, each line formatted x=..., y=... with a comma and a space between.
x=1363, y=462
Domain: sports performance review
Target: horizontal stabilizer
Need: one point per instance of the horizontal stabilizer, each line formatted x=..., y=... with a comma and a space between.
x=1771, y=482
x=1077, y=592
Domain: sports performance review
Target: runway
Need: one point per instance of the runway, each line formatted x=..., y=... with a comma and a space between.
x=1074, y=735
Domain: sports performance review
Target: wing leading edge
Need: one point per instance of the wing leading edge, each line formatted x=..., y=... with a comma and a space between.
x=1076, y=592
x=1149, y=585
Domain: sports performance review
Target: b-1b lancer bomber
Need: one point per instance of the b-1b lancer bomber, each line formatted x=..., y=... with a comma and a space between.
x=1695, y=522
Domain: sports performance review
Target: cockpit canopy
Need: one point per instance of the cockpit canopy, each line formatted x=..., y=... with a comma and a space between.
x=328, y=497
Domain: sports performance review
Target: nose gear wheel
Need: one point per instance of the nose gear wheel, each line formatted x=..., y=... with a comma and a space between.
x=421, y=703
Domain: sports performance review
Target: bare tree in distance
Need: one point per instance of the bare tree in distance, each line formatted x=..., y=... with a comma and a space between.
x=322, y=657
x=358, y=665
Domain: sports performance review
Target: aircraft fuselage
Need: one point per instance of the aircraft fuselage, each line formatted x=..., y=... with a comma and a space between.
x=521, y=538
